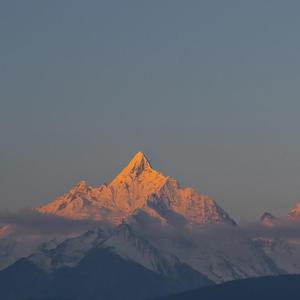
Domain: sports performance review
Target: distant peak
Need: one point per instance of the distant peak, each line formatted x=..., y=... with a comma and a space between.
x=295, y=213
x=267, y=215
x=138, y=164
x=80, y=187
x=268, y=219
x=139, y=155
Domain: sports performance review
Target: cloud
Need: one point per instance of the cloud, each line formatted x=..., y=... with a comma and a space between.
x=283, y=229
x=32, y=222
x=217, y=233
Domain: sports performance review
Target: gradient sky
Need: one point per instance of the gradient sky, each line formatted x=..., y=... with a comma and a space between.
x=209, y=90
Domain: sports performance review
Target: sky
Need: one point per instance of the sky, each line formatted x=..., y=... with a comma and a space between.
x=209, y=90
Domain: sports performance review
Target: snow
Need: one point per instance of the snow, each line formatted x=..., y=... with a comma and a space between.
x=138, y=186
x=14, y=247
x=69, y=252
x=158, y=224
x=221, y=254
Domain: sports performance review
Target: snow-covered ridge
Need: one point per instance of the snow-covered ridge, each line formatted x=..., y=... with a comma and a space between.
x=137, y=186
x=69, y=252
x=217, y=254
x=160, y=225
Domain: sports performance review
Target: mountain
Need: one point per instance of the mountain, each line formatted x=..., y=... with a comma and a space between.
x=275, y=288
x=191, y=256
x=98, y=264
x=69, y=252
x=164, y=238
x=123, y=241
x=101, y=274
x=138, y=187
x=283, y=251
x=268, y=219
x=281, y=242
x=137, y=260
x=14, y=247
x=295, y=213
x=219, y=252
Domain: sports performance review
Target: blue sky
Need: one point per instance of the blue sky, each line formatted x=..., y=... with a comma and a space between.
x=209, y=90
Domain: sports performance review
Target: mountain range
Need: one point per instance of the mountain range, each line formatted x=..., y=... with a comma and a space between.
x=138, y=188
x=151, y=237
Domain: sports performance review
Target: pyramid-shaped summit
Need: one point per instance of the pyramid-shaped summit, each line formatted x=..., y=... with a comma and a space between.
x=138, y=188
x=137, y=165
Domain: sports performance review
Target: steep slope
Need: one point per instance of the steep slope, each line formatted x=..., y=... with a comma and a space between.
x=132, y=245
x=160, y=259
x=219, y=252
x=282, y=243
x=101, y=274
x=14, y=247
x=284, y=252
x=126, y=243
x=93, y=265
x=69, y=252
x=138, y=186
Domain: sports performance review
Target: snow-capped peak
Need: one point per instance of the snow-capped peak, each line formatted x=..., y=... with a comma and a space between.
x=80, y=187
x=137, y=165
x=138, y=187
x=295, y=213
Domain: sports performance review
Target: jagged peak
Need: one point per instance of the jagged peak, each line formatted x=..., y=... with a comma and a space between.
x=138, y=164
x=130, y=190
x=80, y=187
